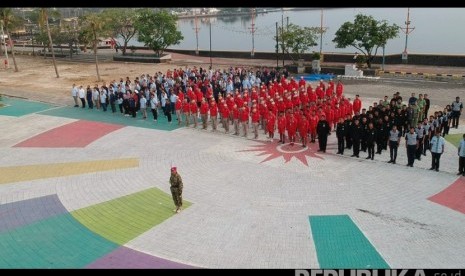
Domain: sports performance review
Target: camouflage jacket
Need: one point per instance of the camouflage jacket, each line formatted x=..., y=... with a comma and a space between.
x=176, y=181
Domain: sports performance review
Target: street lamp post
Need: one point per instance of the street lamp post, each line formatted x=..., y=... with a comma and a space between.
x=277, y=46
x=407, y=30
x=210, y=44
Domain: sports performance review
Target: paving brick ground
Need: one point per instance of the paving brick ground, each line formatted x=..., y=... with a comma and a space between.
x=245, y=213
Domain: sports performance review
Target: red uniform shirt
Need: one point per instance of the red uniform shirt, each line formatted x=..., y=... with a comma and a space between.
x=193, y=107
x=203, y=108
x=357, y=105
x=270, y=123
x=255, y=117
x=339, y=90
x=213, y=110
x=303, y=126
x=291, y=125
x=178, y=105
x=225, y=112
x=244, y=115
x=282, y=122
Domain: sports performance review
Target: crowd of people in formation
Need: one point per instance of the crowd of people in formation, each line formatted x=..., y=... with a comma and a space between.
x=245, y=100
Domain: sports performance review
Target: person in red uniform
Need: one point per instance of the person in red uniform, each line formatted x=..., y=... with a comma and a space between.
x=291, y=127
x=178, y=107
x=303, y=130
x=320, y=93
x=186, y=111
x=204, y=113
x=313, y=122
x=339, y=89
x=282, y=127
x=193, y=112
x=302, y=82
x=357, y=105
x=270, y=125
x=255, y=120
x=213, y=114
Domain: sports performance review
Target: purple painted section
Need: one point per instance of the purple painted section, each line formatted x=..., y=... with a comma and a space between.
x=16, y=214
x=124, y=257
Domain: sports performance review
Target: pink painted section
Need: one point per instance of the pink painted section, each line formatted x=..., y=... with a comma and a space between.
x=78, y=134
x=453, y=196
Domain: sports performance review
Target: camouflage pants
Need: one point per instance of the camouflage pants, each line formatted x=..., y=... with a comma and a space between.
x=177, y=196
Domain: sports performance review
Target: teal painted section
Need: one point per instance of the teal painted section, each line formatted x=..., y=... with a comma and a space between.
x=17, y=107
x=114, y=118
x=340, y=244
x=56, y=242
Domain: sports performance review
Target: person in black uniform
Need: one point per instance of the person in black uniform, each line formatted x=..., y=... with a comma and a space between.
x=380, y=128
x=370, y=137
x=168, y=110
x=427, y=105
x=356, y=133
x=341, y=132
x=323, y=131
x=348, y=125
x=363, y=141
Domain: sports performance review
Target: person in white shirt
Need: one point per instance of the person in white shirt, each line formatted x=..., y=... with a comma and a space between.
x=82, y=96
x=143, y=106
x=154, y=106
x=437, y=148
x=95, y=97
x=74, y=93
x=103, y=100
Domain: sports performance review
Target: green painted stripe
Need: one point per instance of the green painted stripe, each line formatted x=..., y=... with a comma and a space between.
x=96, y=115
x=56, y=242
x=17, y=108
x=122, y=219
x=340, y=244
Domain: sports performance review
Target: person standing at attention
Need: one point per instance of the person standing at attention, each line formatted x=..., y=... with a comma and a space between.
x=457, y=107
x=74, y=93
x=412, y=145
x=176, y=189
x=461, y=154
x=394, y=141
x=437, y=148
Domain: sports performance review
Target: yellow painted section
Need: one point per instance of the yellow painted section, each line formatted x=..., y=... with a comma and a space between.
x=34, y=172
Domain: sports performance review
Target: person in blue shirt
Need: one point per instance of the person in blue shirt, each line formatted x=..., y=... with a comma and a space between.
x=461, y=154
x=437, y=148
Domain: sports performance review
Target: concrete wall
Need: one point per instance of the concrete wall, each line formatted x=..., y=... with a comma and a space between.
x=416, y=59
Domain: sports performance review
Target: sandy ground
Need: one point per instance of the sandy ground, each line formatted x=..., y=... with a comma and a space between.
x=37, y=79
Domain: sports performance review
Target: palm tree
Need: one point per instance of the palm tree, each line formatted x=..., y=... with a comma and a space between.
x=8, y=19
x=94, y=26
x=43, y=19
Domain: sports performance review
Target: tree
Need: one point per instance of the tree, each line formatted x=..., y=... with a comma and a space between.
x=298, y=39
x=121, y=23
x=43, y=19
x=9, y=20
x=94, y=26
x=157, y=30
x=365, y=34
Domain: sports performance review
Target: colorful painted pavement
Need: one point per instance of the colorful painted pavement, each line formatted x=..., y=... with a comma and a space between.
x=86, y=191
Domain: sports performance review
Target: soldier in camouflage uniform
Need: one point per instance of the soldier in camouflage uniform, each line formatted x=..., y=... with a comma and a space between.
x=176, y=189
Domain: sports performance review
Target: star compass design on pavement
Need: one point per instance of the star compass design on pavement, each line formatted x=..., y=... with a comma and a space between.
x=276, y=150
